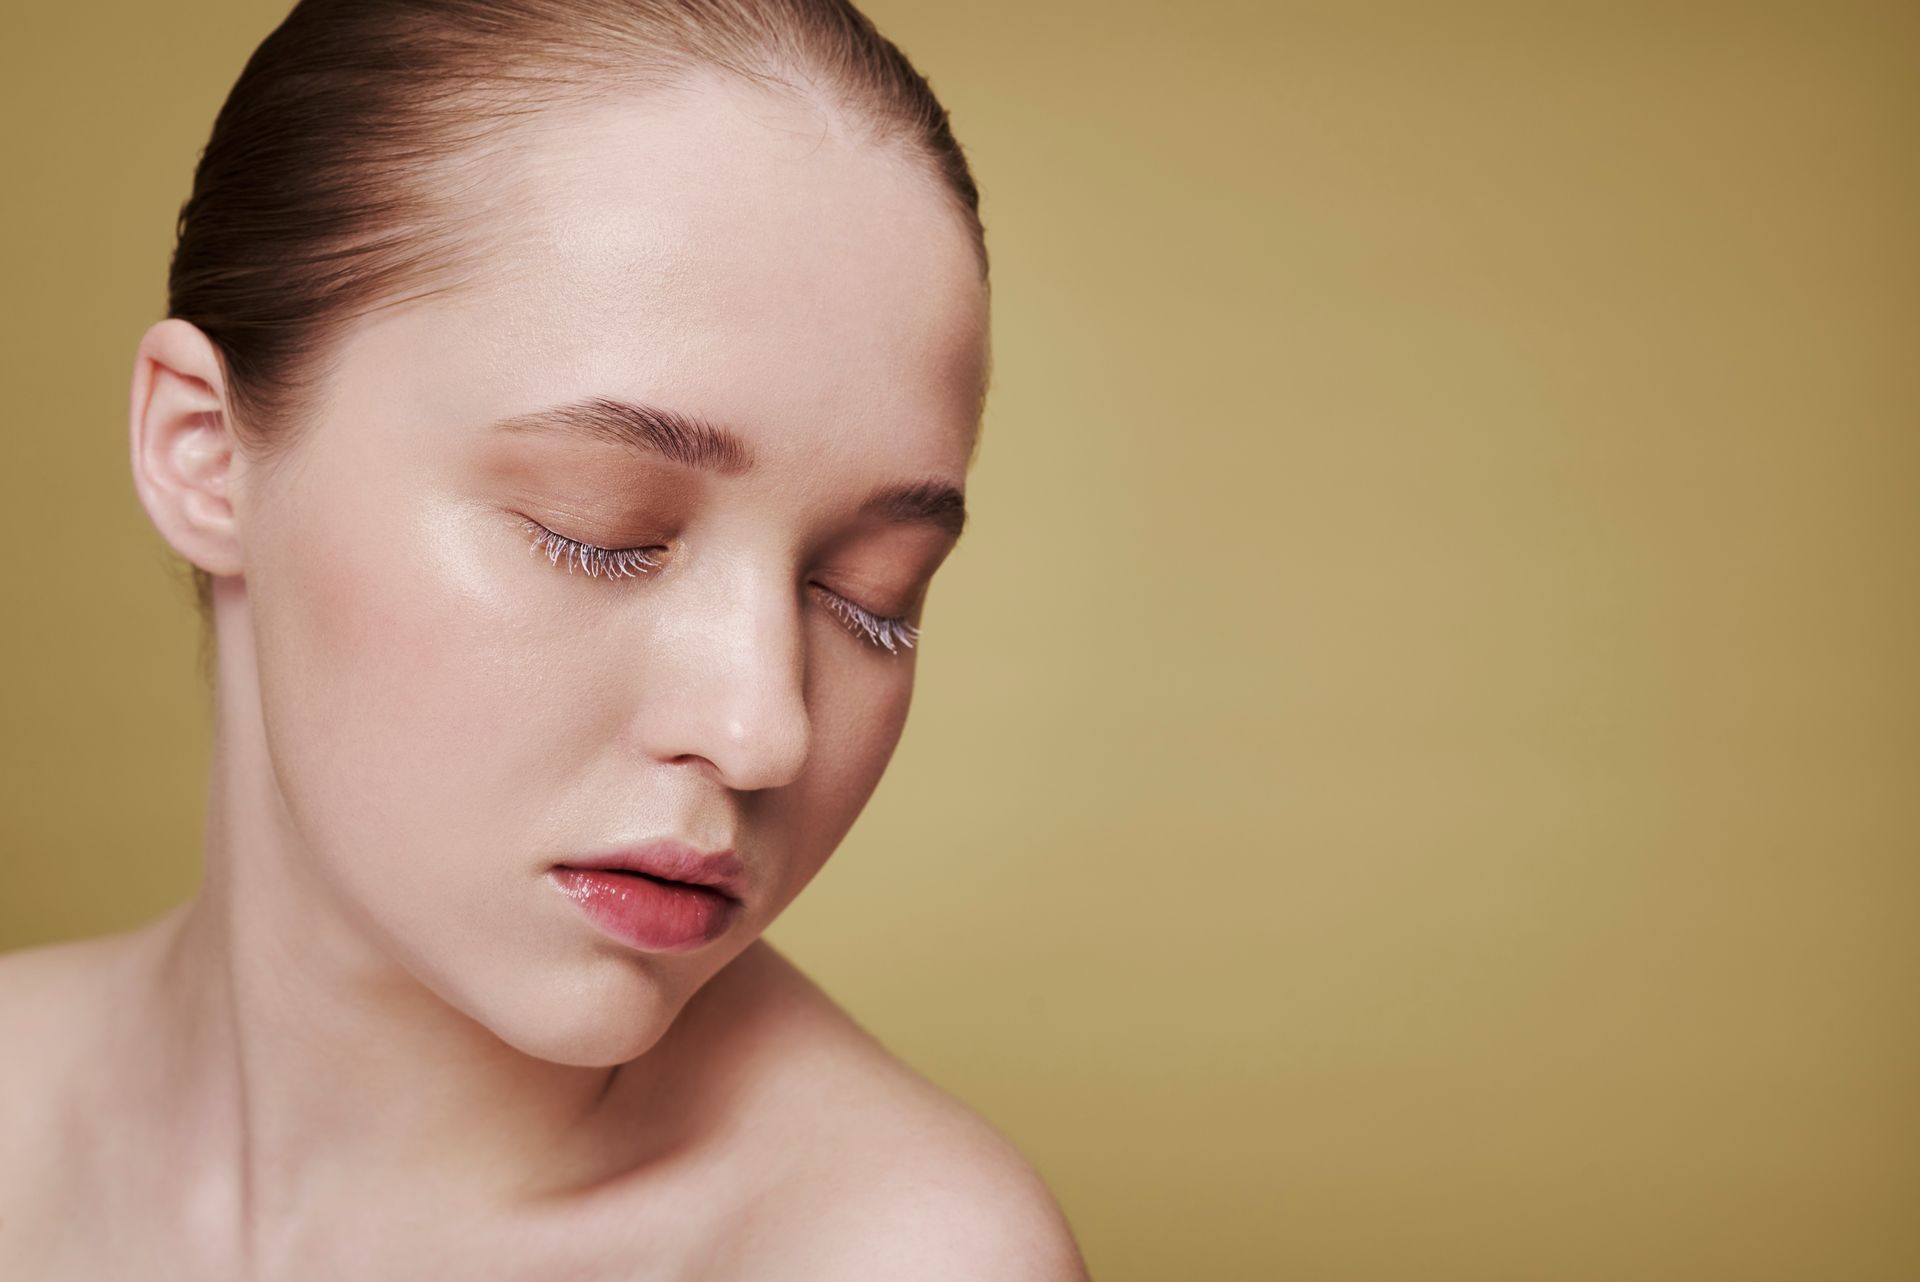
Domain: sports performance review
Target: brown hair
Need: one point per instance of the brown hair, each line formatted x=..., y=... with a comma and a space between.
x=311, y=204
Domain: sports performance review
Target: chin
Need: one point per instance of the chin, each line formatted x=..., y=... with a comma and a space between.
x=593, y=1020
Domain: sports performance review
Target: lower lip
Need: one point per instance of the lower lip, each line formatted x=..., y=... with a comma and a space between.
x=655, y=917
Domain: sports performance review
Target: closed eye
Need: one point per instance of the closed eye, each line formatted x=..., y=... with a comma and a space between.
x=879, y=630
x=614, y=562
x=891, y=633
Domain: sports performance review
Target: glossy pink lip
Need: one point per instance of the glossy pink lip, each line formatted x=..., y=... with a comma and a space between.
x=672, y=860
x=664, y=896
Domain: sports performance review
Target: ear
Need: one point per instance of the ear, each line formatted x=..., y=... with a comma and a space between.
x=184, y=455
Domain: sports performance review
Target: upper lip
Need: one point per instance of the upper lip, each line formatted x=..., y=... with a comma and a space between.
x=674, y=860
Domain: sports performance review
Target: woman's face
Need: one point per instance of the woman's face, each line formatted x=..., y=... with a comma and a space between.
x=451, y=712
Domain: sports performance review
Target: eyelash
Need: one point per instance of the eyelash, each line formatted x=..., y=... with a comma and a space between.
x=880, y=632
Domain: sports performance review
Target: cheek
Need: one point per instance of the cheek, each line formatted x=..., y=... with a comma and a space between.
x=854, y=741
x=419, y=739
x=390, y=695
x=862, y=740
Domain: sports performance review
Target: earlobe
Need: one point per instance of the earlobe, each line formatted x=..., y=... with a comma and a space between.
x=182, y=445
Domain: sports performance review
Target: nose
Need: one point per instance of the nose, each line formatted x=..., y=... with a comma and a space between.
x=725, y=683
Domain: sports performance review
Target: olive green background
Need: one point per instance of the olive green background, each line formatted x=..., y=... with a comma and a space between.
x=1416, y=767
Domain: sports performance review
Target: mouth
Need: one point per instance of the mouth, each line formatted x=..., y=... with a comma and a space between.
x=670, y=863
x=647, y=876
x=646, y=910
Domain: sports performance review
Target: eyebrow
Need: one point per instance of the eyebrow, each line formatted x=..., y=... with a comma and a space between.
x=694, y=442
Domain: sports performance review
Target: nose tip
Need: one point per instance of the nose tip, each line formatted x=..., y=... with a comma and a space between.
x=765, y=747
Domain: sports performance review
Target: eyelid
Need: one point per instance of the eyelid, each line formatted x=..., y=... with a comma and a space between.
x=595, y=560
x=880, y=631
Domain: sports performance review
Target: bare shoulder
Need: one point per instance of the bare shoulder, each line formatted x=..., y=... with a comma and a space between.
x=43, y=991
x=883, y=1172
x=52, y=1004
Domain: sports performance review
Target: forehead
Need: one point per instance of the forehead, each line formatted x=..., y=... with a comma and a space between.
x=732, y=252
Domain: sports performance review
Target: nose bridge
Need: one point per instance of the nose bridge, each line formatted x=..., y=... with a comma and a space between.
x=738, y=698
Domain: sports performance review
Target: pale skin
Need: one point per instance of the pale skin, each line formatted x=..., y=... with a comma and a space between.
x=376, y=1043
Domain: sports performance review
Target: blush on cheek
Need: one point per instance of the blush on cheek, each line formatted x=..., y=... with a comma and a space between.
x=410, y=657
x=364, y=669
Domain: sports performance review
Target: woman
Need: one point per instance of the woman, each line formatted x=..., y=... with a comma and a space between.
x=564, y=405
